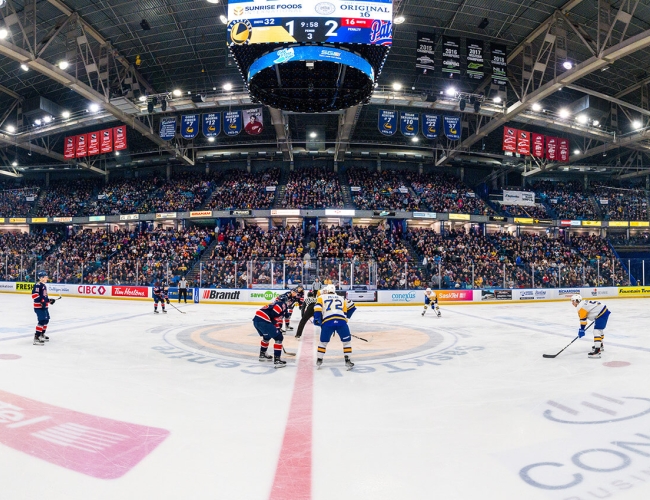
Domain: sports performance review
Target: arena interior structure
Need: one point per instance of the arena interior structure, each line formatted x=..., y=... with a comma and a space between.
x=184, y=127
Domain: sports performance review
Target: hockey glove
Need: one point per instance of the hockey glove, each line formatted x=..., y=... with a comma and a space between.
x=52, y=301
x=581, y=332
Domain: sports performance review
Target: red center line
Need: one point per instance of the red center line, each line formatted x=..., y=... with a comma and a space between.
x=293, y=473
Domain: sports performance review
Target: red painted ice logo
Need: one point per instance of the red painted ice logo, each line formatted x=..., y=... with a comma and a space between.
x=96, y=446
x=381, y=33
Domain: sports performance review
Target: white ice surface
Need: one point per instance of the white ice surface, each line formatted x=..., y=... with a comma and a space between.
x=449, y=408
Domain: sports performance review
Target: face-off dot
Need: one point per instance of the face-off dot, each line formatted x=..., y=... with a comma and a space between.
x=10, y=356
x=616, y=364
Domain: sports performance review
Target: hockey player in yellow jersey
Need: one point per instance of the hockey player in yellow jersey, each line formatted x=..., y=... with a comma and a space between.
x=331, y=313
x=592, y=310
x=431, y=297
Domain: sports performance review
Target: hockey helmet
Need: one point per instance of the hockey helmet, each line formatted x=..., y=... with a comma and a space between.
x=330, y=289
x=576, y=297
x=41, y=274
x=428, y=290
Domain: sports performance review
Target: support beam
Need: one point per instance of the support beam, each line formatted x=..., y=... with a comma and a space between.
x=347, y=122
x=282, y=134
x=630, y=141
x=610, y=99
x=53, y=72
x=623, y=49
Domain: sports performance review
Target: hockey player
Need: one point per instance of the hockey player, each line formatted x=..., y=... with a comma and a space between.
x=331, y=313
x=41, y=304
x=431, y=297
x=307, y=310
x=291, y=298
x=158, y=296
x=165, y=291
x=267, y=322
x=598, y=313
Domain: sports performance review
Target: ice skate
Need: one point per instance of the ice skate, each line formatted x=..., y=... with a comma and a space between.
x=278, y=363
x=45, y=338
x=165, y=311
x=319, y=363
x=265, y=357
x=595, y=353
x=348, y=363
x=155, y=311
x=38, y=341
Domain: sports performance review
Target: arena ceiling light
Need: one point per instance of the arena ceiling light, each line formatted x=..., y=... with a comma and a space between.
x=582, y=119
x=213, y=1
x=567, y=65
x=142, y=98
x=577, y=152
x=65, y=115
x=47, y=119
x=24, y=67
x=94, y=107
x=14, y=163
x=451, y=91
x=497, y=99
x=399, y=19
x=210, y=139
x=223, y=19
x=537, y=107
x=63, y=65
x=38, y=122
x=596, y=123
x=227, y=87
x=637, y=124
x=11, y=129
x=177, y=92
x=564, y=113
x=4, y=33
x=397, y=86
x=313, y=135
x=416, y=139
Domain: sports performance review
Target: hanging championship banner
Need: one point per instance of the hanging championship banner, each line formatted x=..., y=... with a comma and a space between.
x=563, y=150
x=452, y=127
x=510, y=139
x=523, y=143
x=387, y=122
x=189, y=126
x=253, y=121
x=499, y=65
x=451, y=56
x=538, y=145
x=211, y=124
x=119, y=137
x=409, y=124
x=232, y=122
x=475, y=61
x=425, y=52
x=81, y=145
x=167, y=128
x=106, y=141
x=93, y=143
x=69, y=150
x=551, y=148
x=430, y=126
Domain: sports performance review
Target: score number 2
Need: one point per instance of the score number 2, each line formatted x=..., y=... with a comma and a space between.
x=333, y=25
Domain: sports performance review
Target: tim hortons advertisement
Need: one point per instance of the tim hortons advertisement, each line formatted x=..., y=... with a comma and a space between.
x=135, y=292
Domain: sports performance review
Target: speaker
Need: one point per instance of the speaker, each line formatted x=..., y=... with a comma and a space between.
x=430, y=98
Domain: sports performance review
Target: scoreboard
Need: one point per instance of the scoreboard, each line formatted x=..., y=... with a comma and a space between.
x=368, y=22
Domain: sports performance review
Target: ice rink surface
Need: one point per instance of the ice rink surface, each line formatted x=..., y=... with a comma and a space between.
x=122, y=403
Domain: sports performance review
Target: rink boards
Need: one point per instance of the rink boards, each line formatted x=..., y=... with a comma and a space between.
x=379, y=298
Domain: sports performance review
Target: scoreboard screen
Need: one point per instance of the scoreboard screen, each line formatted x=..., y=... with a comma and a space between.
x=368, y=22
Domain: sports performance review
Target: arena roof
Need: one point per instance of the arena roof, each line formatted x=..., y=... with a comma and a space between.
x=112, y=59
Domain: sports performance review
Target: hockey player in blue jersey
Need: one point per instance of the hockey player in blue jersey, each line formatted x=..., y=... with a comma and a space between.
x=267, y=322
x=41, y=304
x=291, y=298
x=331, y=313
x=158, y=296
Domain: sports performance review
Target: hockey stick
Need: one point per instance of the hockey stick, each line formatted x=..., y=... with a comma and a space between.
x=360, y=338
x=288, y=353
x=170, y=304
x=556, y=355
